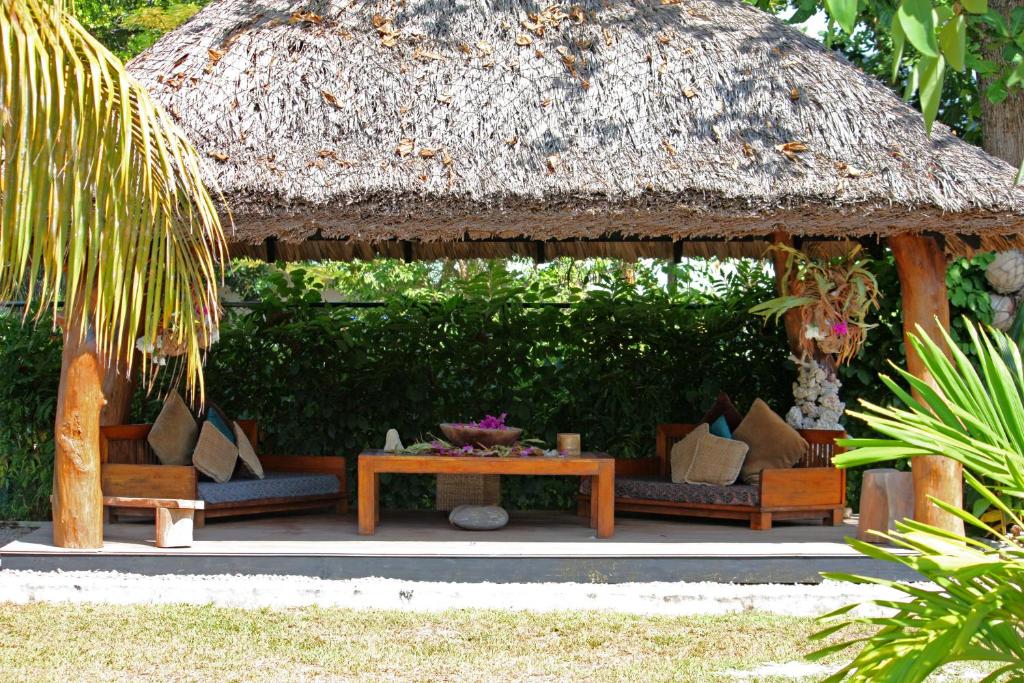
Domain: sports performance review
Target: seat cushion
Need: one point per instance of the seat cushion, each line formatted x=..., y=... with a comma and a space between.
x=653, y=488
x=273, y=485
x=174, y=433
x=717, y=462
x=683, y=453
x=774, y=445
x=215, y=456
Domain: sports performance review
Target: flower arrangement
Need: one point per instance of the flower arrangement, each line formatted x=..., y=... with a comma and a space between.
x=833, y=298
x=489, y=422
x=528, y=448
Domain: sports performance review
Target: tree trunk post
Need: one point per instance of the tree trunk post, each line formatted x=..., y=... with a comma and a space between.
x=921, y=266
x=77, y=498
x=1002, y=124
x=791, y=318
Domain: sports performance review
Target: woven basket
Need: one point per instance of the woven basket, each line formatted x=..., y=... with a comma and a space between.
x=467, y=489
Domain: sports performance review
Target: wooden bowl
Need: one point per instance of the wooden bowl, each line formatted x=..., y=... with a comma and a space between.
x=461, y=435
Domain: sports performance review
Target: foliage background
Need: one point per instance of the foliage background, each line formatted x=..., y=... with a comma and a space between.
x=627, y=347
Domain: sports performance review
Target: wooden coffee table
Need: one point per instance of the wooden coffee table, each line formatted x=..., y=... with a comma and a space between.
x=598, y=466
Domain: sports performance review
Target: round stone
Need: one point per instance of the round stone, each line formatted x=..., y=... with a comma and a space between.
x=479, y=517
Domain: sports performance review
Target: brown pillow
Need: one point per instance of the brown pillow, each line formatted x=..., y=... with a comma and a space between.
x=246, y=453
x=723, y=406
x=215, y=455
x=173, y=435
x=774, y=445
x=684, y=451
x=718, y=461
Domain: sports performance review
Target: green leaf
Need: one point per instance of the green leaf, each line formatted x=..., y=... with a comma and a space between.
x=953, y=41
x=918, y=24
x=844, y=12
x=932, y=77
x=975, y=6
x=899, y=40
x=997, y=92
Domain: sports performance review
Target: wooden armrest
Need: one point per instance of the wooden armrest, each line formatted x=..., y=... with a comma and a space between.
x=148, y=481
x=803, y=486
x=133, y=502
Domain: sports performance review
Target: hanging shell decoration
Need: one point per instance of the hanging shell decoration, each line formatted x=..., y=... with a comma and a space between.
x=1003, y=310
x=1006, y=272
x=816, y=394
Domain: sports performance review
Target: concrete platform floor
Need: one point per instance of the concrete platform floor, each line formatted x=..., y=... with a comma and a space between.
x=423, y=546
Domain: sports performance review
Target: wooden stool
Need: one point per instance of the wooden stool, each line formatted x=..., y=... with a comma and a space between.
x=886, y=495
x=173, y=517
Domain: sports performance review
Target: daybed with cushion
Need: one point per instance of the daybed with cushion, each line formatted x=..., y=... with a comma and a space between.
x=131, y=469
x=812, y=488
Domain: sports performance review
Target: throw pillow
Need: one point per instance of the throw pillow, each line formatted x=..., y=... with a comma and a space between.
x=773, y=443
x=718, y=461
x=215, y=455
x=684, y=451
x=220, y=420
x=723, y=407
x=173, y=435
x=721, y=428
x=246, y=453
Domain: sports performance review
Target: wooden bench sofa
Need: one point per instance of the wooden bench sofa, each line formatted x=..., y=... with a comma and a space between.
x=130, y=469
x=812, y=489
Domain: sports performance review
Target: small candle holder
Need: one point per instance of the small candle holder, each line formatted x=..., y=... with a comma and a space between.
x=569, y=444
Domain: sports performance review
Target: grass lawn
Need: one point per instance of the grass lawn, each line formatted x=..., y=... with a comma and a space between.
x=111, y=643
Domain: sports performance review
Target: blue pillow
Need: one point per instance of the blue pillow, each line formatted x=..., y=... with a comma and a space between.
x=216, y=417
x=721, y=428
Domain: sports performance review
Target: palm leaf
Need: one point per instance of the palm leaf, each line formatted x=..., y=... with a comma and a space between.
x=103, y=202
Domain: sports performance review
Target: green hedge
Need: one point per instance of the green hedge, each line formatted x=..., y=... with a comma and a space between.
x=610, y=366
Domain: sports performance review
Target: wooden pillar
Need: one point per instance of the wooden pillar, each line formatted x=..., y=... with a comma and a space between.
x=921, y=266
x=77, y=499
x=791, y=318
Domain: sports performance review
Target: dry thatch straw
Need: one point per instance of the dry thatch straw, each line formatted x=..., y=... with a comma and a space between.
x=446, y=120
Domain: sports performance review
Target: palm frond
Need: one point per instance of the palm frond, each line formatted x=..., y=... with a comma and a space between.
x=103, y=202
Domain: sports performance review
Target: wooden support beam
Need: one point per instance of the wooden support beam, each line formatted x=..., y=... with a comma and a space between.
x=791, y=318
x=921, y=267
x=77, y=498
x=271, y=246
x=119, y=384
x=540, y=252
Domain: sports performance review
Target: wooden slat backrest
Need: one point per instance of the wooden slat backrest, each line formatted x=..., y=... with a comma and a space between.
x=127, y=445
x=822, y=444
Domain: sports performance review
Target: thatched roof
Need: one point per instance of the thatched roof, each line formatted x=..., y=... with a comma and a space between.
x=444, y=120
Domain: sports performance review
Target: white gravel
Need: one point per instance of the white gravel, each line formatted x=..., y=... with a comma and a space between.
x=428, y=596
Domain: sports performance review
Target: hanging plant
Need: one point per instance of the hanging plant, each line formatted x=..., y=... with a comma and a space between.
x=833, y=297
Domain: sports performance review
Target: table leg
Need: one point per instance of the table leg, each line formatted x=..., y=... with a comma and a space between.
x=595, y=497
x=367, y=496
x=606, y=500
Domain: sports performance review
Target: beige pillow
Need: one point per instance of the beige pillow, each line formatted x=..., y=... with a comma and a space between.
x=246, y=453
x=173, y=435
x=215, y=455
x=718, y=461
x=684, y=451
x=774, y=445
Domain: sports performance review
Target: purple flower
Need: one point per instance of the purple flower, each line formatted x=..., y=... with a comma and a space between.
x=467, y=449
x=841, y=329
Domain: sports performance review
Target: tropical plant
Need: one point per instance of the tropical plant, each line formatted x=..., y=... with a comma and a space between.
x=103, y=207
x=973, y=413
x=834, y=298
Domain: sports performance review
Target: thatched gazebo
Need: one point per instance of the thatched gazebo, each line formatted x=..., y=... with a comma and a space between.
x=459, y=128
